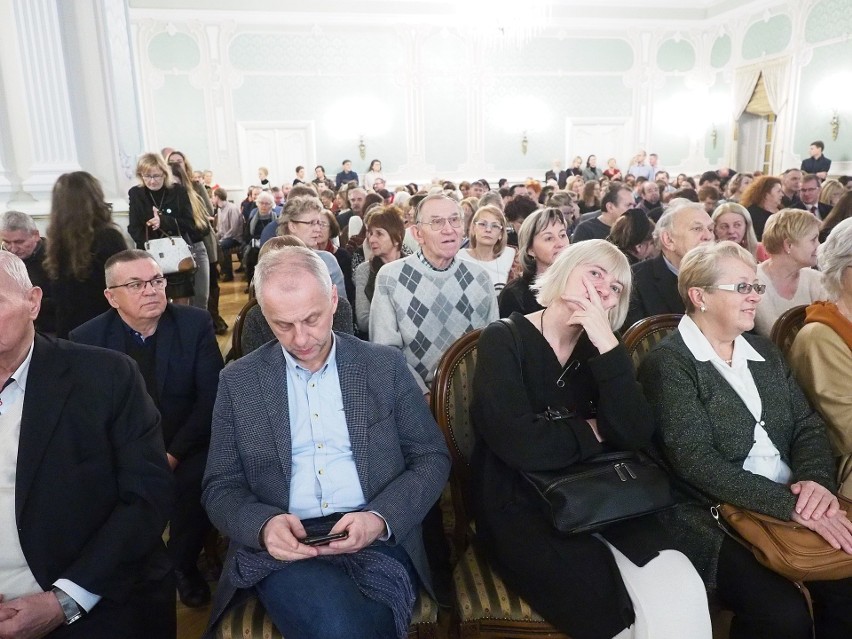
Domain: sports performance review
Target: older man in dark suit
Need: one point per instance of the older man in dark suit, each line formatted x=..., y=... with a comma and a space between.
x=176, y=350
x=320, y=433
x=655, y=281
x=85, y=488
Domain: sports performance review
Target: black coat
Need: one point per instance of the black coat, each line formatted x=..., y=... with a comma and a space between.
x=654, y=291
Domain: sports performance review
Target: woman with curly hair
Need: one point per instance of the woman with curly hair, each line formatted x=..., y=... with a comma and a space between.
x=762, y=198
x=82, y=238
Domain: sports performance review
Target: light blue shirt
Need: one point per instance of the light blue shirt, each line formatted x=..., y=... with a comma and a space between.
x=324, y=478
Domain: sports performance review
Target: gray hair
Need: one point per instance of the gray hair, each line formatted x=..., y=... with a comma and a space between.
x=432, y=197
x=290, y=260
x=667, y=219
x=17, y=221
x=833, y=256
x=491, y=198
x=266, y=196
x=15, y=268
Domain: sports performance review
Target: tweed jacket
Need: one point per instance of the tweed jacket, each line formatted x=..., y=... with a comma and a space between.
x=400, y=455
x=706, y=432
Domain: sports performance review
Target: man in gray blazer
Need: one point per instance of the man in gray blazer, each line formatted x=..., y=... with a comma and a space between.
x=320, y=433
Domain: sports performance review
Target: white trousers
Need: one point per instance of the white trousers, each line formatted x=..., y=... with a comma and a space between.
x=668, y=597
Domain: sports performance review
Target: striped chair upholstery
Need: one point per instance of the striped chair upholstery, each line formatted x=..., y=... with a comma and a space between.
x=248, y=620
x=647, y=333
x=484, y=605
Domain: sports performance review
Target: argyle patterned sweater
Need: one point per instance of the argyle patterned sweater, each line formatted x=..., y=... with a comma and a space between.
x=423, y=311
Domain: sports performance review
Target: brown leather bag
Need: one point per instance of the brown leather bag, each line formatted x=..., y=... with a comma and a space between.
x=785, y=547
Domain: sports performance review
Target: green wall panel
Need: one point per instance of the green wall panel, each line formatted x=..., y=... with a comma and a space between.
x=829, y=19
x=720, y=54
x=676, y=55
x=178, y=51
x=767, y=37
x=180, y=119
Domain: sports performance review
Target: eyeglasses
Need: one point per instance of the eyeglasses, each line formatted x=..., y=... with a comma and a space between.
x=487, y=226
x=137, y=286
x=153, y=177
x=437, y=223
x=323, y=224
x=743, y=288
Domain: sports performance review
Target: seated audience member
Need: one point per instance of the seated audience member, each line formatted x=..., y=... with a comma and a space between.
x=425, y=302
x=735, y=427
x=320, y=179
x=229, y=231
x=841, y=211
x=82, y=238
x=303, y=217
x=541, y=239
x=633, y=234
x=709, y=196
x=468, y=208
x=791, y=184
x=791, y=239
x=329, y=231
x=809, y=195
x=655, y=291
x=732, y=222
x=830, y=192
x=710, y=177
x=587, y=585
x=263, y=176
x=821, y=355
x=373, y=173
x=516, y=211
x=650, y=199
x=613, y=205
x=591, y=200
x=262, y=217
x=382, y=461
x=385, y=233
x=591, y=172
x=177, y=353
x=488, y=245
x=256, y=331
x=249, y=204
x=19, y=235
x=86, y=489
x=817, y=163
x=612, y=171
x=639, y=168
x=573, y=185
x=762, y=198
x=737, y=186
x=346, y=176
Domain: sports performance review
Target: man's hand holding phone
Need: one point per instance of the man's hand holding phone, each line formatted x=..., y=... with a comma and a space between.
x=362, y=528
x=281, y=536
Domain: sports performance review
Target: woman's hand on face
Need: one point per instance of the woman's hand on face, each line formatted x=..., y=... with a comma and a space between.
x=835, y=529
x=593, y=318
x=814, y=500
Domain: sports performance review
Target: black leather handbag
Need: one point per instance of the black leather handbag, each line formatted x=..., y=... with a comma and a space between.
x=602, y=490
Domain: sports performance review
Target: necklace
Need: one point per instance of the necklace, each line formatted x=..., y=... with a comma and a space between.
x=541, y=320
x=162, y=199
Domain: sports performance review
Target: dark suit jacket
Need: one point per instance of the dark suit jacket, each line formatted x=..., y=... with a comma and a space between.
x=400, y=455
x=93, y=489
x=188, y=362
x=654, y=291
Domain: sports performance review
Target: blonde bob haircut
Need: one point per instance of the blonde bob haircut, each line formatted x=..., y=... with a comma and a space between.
x=787, y=224
x=700, y=267
x=749, y=241
x=551, y=284
x=154, y=162
x=497, y=214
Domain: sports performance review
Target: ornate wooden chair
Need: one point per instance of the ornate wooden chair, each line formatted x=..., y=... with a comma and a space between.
x=237, y=336
x=484, y=605
x=786, y=327
x=647, y=333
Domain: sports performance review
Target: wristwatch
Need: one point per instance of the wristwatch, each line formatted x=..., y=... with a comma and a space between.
x=70, y=608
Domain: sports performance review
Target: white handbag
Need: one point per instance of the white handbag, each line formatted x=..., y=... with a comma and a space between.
x=171, y=253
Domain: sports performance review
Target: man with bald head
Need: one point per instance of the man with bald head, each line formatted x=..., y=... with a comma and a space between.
x=681, y=228
x=85, y=488
x=319, y=433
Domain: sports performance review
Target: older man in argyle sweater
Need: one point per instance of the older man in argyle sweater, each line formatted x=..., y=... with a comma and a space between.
x=425, y=302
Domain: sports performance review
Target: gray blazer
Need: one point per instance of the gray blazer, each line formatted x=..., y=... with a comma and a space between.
x=707, y=432
x=400, y=454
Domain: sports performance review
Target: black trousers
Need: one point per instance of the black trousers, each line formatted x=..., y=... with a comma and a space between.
x=768, y=606
x=189, y=522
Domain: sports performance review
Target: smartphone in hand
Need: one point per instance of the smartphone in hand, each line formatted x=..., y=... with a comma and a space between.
x=322, y=540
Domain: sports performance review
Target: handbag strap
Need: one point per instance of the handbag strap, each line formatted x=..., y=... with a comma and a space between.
x=509, y=323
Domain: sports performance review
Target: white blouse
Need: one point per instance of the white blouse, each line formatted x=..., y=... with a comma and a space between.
x=497, y=269
x=763, y=459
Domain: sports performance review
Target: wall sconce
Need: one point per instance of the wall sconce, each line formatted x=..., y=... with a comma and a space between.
x=362, y=148
x=835, y=126
x=524, y=143
x=714, y=136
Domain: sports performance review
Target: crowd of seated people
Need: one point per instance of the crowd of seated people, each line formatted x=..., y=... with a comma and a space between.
x=417, y=267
